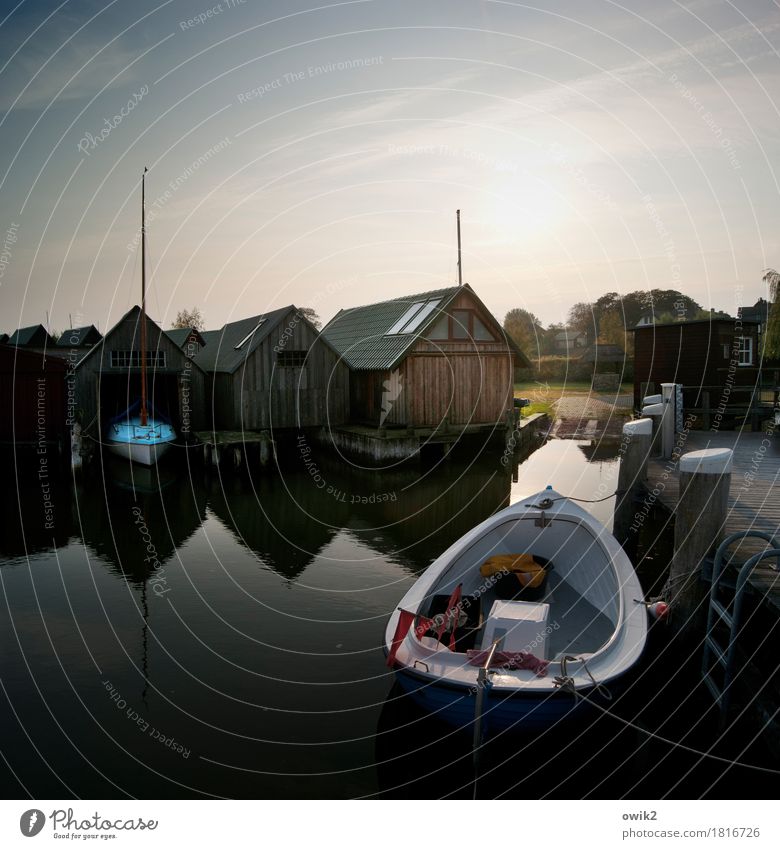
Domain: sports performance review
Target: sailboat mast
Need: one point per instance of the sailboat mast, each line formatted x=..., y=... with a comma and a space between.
x=144, y=414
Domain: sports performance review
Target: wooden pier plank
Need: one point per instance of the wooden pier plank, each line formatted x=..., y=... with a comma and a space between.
x=754, y=496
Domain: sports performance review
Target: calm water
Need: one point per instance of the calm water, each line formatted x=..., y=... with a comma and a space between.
x=220, y=635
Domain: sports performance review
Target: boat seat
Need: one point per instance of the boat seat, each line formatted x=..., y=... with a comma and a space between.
x=521, y=577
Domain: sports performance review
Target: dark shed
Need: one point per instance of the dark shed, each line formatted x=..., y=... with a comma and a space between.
x=704, y=356
x=32, y=395
x=80, y=337
x=34, y=336
x=107, y=379
x=273, y=370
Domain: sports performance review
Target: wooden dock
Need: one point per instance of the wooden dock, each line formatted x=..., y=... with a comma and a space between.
x=754, y=495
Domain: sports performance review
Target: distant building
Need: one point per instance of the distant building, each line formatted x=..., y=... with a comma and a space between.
x=80, y=337
x=427, y=359
x=759, y=312
x=568, y=341
x=273, y=371
x=34, y=336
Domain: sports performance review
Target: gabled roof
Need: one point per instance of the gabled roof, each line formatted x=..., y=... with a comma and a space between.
x=360, y=334
x=35, y=335
x=220, y=352
x=133, y=312
x=180, y=335
x=78, y=336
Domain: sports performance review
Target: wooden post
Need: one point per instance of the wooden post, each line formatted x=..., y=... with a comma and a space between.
x=75, y=446
x=265, y=449
x=634, y=453
x=705, y=410
x=700, y=517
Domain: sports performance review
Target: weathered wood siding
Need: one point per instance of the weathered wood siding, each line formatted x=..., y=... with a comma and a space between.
x=465, y=381
x=265, y=394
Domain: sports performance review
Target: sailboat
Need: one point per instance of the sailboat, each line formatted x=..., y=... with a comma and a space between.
x=136, y=434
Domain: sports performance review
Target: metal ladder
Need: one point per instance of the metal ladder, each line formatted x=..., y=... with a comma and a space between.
x=714, y=653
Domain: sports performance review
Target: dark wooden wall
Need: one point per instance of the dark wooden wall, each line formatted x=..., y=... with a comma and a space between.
x=263, y=394
x=691, y=354
x=20, y=373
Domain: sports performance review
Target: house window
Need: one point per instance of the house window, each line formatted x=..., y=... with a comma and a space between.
x=745, y=350
x=291, y=359
x=465, y=324
x=132, y=359
x=441, y=329
x=413, y=317
x=461, y=324
x=249, y=335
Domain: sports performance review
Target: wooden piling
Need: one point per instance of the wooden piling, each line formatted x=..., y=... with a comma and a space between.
x=265, y=449
x=700, y=518
x=634, y=454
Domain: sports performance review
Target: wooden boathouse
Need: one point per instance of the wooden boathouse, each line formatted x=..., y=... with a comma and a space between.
x=35, y=336
x=272, y=372
x=32, y=394
x=107, y=379
x=422, y=360
x=80, y=337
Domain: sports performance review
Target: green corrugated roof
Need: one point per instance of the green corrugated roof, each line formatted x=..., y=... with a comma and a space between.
x=359, y=333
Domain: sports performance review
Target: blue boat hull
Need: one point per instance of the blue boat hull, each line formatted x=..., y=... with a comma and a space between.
x=517, y=712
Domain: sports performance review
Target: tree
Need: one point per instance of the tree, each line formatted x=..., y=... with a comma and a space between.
x=189, y=318
x=526, y=330
x=612, y=330
x=311, y=314
x=772, y=334
x=583, y=318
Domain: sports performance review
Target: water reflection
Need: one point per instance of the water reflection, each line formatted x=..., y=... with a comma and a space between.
x=263, y=655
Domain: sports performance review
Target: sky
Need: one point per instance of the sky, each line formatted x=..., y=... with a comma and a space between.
x=316, y=154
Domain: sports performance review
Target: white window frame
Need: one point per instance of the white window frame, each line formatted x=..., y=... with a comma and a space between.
x=745, y=351
x=249, y=335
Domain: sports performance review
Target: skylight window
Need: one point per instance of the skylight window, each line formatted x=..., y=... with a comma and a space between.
x=249, y=335
x=404, y=319
x=421, y=316
x=413, y=317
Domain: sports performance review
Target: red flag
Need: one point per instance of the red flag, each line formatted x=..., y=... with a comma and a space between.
x=401, y=630
x=424, y=624
x=453, y=602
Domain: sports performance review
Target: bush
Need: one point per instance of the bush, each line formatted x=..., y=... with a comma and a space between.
x=558, y=369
